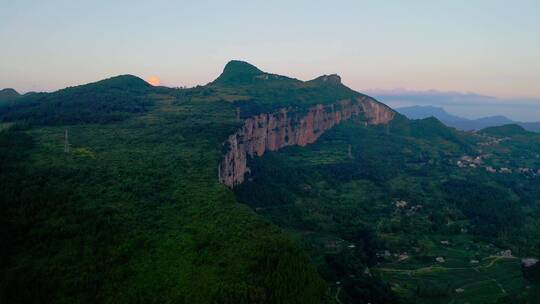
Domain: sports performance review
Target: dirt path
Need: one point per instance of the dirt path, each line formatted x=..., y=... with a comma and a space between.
x=337, y=295
x=439, y=267
x=495, y=259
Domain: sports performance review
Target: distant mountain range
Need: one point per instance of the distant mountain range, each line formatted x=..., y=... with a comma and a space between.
x=461, y=123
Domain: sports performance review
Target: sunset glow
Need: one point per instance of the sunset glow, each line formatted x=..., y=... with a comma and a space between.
x=154, y=80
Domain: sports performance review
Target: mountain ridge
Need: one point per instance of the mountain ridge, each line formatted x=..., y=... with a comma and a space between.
x=419, y=112
x=110, y=99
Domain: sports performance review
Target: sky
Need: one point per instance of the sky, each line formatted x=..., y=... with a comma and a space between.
x=490, y=47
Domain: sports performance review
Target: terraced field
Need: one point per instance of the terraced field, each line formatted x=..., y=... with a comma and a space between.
x=491, y=279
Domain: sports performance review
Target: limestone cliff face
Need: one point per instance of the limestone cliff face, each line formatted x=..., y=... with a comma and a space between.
x=273, y=131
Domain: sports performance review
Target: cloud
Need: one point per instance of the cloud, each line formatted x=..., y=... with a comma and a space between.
x=468, y=104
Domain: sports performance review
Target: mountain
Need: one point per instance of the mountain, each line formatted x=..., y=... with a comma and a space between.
x=107, y=100
x=287, y=127
x=8, y=95
x=530, y=126
x=238, y=72
x=118, y=179
x=419, y=112
x=505, y=130
x=258, y=188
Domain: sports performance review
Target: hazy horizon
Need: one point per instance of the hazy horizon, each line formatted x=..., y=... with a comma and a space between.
x=464, y=104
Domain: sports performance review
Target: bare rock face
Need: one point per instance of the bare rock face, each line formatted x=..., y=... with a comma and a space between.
x=273, y=131
x=333, y=79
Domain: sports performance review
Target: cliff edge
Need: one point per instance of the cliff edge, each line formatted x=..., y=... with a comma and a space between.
x=286, y=127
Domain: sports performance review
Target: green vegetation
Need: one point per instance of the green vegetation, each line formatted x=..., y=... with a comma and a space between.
x=8, y=95
x=397, y=205
x=263, y=92
x=506, y=130
x=104, y=101
x=134, y=213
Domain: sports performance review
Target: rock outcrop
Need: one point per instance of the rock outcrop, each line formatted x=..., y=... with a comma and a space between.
x=334, y=79
x=273, y=131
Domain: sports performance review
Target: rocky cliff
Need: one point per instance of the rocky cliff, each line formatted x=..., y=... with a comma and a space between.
x=273, y=131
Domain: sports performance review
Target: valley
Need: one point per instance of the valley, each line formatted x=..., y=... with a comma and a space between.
x=393, y=212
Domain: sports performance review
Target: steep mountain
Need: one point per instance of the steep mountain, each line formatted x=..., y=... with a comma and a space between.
x=132, y=197
x=287, y=127
x=257, y=188
x=420, y=112
x=238, y=71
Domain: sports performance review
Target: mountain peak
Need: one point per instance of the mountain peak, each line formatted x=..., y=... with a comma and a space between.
x=238, y=72
x=9, y=91
x=122, y=82
x=241, y=67
x=8, y=94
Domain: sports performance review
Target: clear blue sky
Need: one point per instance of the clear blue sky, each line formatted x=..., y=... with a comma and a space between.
x=490, y=47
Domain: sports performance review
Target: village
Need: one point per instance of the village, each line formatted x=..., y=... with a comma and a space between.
x=479, y=161
x=467, y=161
